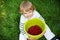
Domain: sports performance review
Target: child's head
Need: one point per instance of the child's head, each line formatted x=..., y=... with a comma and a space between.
x=26, y=8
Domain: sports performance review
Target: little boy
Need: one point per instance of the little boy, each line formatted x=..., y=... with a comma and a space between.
x=28, y=12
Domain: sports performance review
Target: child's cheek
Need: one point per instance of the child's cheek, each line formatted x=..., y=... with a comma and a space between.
x=25, y=15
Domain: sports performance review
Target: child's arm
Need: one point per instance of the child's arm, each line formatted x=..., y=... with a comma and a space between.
x=22, y=21
x=21, y=25
x=48, y=34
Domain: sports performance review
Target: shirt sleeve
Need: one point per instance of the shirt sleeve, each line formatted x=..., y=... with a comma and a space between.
x=21, y=27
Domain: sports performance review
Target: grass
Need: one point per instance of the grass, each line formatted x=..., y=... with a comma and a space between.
x=9, y=17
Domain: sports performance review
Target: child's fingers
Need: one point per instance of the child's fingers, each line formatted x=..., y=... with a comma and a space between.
x=31, y=39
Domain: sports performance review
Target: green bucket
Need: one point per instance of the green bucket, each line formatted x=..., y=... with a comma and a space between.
x=32, y=22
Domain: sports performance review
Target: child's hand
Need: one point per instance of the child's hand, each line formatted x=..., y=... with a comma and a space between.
x=31, y=39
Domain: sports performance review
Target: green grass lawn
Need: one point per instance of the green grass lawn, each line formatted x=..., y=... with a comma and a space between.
x=9, y=17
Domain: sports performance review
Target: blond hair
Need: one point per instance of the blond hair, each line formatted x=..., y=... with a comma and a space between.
x=26, y=5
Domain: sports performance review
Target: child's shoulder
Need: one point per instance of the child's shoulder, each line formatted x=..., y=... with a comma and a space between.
x=22, y=19
x=36, y=12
